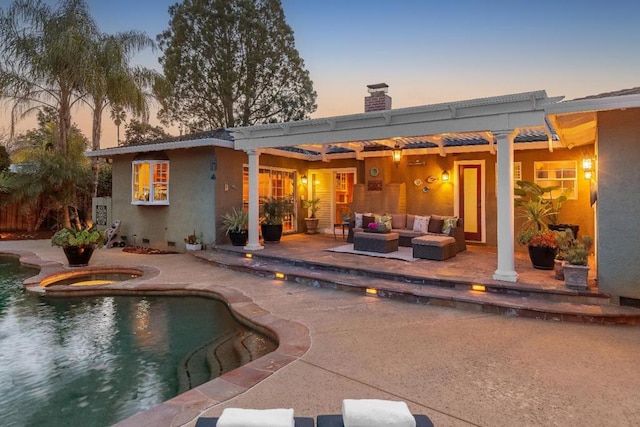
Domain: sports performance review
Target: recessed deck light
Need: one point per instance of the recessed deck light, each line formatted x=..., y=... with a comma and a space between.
x=371, y=291
x=480, y=288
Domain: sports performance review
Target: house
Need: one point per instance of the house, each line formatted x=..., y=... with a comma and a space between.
x=458, y=158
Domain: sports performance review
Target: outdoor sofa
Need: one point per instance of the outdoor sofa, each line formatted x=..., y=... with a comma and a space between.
x=407, y=228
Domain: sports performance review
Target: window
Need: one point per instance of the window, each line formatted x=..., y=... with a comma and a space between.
x=273, y=182
x=562, y=174
x=150, y=182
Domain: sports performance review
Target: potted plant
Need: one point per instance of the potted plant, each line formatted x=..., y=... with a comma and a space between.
x=539, y=211
x=78, y=242
x=235, y=224
x=576, y=268
x=193, y=242
x=273, y=211
x=312, y=221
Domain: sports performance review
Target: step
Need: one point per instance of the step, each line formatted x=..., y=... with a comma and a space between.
x=560, y=305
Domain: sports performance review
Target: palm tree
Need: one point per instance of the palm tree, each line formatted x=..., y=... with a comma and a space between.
x=114, y=82
x=45, y=54
x=118, y=115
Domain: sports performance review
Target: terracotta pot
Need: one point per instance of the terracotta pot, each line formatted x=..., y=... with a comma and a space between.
x=78, y=256
x=542, y=257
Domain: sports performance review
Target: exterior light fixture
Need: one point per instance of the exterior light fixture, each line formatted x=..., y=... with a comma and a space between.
x=587, y=167
x=304, y=180
x=371, y=291
x=248, y=255
x=445, y=176
x=396, y=154
x=279, y=275
x=479, y=288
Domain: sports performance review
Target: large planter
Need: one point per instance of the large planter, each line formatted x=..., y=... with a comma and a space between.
x=239, y=238
x=312, y=225
x=78, y=256
x=194, y=246
x=575, y=276
x=271, y=233
x=542, y=257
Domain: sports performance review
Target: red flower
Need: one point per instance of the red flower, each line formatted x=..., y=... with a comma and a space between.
x=545, y=238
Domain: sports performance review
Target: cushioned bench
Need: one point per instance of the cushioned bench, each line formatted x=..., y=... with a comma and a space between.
x=432, y=247
x=375, y=242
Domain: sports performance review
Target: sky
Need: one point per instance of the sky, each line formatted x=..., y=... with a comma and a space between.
x=431, y=52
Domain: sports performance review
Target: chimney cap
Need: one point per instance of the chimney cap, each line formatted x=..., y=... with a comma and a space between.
x=378, y=87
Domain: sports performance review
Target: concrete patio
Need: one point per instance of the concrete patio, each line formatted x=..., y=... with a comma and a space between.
x=459, y=367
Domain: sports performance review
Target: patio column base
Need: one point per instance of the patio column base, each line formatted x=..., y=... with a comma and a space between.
x=253, y=247
x=505, y=276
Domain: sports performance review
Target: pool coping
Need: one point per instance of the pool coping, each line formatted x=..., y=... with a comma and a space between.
x=293, y=338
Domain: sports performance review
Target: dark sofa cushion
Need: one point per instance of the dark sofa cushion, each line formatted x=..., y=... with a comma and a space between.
x=366, y=220
x=435, y=225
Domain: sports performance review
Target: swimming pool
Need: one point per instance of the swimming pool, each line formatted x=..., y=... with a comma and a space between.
x=93, y=361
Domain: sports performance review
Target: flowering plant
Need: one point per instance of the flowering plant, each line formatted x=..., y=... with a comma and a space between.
x=373, y=226
x=546, y=238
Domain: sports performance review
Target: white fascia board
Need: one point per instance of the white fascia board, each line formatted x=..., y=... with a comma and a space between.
x=595, y=104
x=161, y=146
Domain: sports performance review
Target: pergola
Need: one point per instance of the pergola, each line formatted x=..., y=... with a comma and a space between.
x=492, y=125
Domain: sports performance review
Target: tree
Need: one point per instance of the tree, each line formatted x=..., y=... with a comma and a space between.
x=46, y=54
x=230, y=63
x=48, y=180
x=137, y=132
x=5, y=160
x=118, y=115
x=114, y=82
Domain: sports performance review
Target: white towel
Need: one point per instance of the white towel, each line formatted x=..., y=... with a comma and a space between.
x=376, y=413
x=238, y=417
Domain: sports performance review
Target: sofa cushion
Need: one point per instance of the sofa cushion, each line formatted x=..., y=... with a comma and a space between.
x=398, y=220
x=410, y=221
x=421, y=224
x=435, y=225
x=358, y=217
x=449, y=224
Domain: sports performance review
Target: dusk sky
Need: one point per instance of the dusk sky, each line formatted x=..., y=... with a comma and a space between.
x=430, y=52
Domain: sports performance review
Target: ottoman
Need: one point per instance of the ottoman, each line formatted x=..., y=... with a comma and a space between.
x=433, y=247
x=375, y=242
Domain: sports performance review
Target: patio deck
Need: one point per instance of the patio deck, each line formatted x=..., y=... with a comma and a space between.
x=305, y=259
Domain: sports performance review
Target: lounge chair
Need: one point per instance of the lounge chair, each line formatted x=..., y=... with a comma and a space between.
x=213, y=422
x=336, y=421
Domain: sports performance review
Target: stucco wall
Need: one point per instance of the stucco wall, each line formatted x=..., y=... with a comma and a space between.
x=618, y=243
x=191, y=196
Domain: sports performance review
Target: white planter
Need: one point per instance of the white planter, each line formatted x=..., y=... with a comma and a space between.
x=575, y=276
x=195, y=247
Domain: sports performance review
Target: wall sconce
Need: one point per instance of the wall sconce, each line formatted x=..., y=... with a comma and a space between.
x=396, y=153
x=587, y=167
x=445, y=176
x=304, y=180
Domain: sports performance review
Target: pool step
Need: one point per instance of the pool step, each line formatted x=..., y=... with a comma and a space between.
x=498, y=298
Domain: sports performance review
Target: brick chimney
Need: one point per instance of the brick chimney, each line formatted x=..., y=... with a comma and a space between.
x=378, y=100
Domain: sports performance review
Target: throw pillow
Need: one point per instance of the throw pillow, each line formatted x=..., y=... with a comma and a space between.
x=386, y=220
x=449, y=224
x=435, y=225
x=398, y=221
x=358, y=220
x=421, y=224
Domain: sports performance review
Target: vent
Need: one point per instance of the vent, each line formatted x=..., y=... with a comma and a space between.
x=171, y=244
x=145, y=241
x=630, y=302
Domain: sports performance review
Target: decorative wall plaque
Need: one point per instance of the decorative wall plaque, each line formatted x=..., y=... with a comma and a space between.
x=374, y=185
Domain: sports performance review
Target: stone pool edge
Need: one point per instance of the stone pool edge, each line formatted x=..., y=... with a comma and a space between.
x=294, y=339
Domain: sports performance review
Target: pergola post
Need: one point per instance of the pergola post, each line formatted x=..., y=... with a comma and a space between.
x=253, y=242
x=506, y=256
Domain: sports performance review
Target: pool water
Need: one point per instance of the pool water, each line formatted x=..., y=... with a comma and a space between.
x=97, y=360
